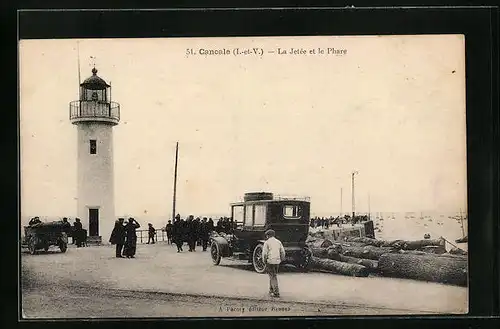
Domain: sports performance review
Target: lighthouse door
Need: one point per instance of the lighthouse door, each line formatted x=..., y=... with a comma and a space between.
x=93, y=222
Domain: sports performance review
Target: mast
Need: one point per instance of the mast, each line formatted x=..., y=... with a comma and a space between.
x=462, y=221
x=78, y=59
x=175, y=180
x=353, y=199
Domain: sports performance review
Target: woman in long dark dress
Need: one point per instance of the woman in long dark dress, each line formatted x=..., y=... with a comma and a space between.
x=118, y=237
x=131, y=238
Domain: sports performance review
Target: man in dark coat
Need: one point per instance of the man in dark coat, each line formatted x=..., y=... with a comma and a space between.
x=131, y=238
x=191, y=233
x=66, y=226
x=151, y=233
x=178, y=233
x=197, y=232
x=204, y=233
x=169, y=231
x=211, y=225
x=118, y=237
x=77, y=232
x=219, y=225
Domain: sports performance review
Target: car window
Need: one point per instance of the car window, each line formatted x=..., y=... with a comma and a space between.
x=248, y=215
x=238, y=215
x=260, y=216
x=292, y=211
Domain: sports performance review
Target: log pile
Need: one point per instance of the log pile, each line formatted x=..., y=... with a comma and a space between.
x=425, y=260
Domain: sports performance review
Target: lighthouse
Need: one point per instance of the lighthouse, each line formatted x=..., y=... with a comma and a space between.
x=94, y=116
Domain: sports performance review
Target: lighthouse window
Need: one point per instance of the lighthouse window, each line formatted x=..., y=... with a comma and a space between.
x=93, y=146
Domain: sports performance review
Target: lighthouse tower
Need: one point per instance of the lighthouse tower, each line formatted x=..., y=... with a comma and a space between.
x=94, y=116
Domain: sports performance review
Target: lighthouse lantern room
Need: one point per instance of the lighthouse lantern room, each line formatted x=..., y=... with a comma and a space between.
x=94, y=116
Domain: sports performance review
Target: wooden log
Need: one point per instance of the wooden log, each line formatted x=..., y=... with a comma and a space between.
x=366, y=241
x=319, y=252
x=321, y=243
x=434, y=249
x=337, y=267
x=367, y=252
x=402, y=244
x=424, y=267
x=371, y=265
x=331, y=252
x=458, y=251
x=419, y=244
x=423, y=253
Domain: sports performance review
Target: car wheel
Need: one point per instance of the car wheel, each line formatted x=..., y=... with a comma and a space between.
x=258, y=262
x=215, y=253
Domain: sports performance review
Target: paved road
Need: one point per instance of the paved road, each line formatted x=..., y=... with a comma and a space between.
x=86, y=302
x=161, y=282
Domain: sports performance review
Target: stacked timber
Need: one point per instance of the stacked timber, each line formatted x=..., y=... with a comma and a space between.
x=435, y=246
x=337, y=267
x=427, y=267
x=366, y=252
x=371, y=265
x=425, y=260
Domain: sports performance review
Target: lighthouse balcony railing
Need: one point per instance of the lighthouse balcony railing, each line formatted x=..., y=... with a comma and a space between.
x=81, y=110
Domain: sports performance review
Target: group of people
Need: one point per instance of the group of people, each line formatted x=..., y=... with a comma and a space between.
x=193, y=231
x=326, y=222
x=124, y=236
x=77, y=233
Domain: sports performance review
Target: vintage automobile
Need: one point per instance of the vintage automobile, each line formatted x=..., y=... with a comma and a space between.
x=43, y=235
x=259, y=212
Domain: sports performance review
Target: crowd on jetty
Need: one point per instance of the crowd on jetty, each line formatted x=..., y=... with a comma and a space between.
x=326, y=222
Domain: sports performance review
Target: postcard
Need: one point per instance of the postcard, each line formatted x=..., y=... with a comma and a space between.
x=243, y=177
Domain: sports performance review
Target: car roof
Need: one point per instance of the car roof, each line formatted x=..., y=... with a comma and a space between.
x=241, y=203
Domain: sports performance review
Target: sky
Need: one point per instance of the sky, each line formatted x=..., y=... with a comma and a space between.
x=392, y=108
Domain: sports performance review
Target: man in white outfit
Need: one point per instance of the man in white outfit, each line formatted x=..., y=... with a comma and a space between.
x=273, y=254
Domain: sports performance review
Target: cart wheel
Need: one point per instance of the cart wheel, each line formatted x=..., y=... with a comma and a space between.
x=215, y=253
x=31, y=246
x=258, y=263
x=63, y=246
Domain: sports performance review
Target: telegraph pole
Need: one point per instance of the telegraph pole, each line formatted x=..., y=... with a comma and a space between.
x=369, y=210
x=341, y=202
x=353, y=199
x=175, y=180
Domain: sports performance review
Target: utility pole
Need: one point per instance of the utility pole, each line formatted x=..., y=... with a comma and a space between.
x=341, y=202
x=175, y=181
x=369, y=210
x=353, y=198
